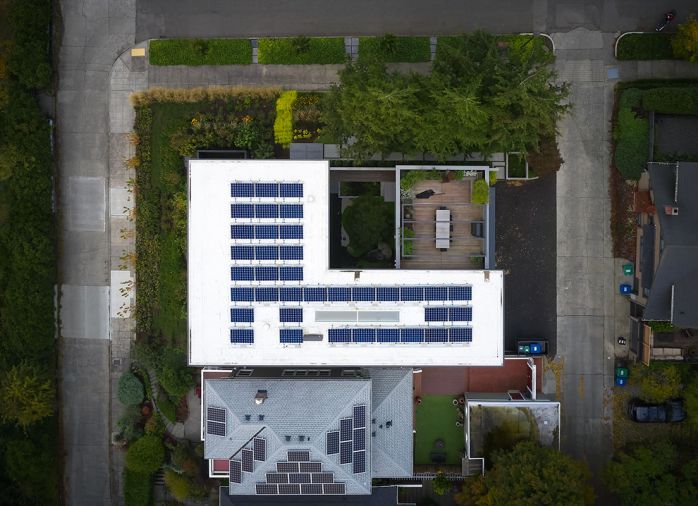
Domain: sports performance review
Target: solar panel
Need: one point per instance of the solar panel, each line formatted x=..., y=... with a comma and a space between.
x=291, y=336
x=363, y=335
x=332, y=442
x=291, y=190
x=259, y=447
x=359, y=439
x=291, y=232
x=337, y=294
x=460, y=314
x=436, y=335
x=323, y=477
x=242, y=294
x=289, y=489
x=461, y=335
x=245, y=190
x=291, y=253
x=241, y=211
x=241, y=273
x=359, y=462
x=435, y=314
x=311, y=489
x=215, y=428
x=315, y=294
x=360, y=416
x=388, y=335
x=387, y=294
x=267, y=190
x=435, y=293
x=278, y=477
x=247, y=462
x=339, y=335
x=265, y=489
x=241, y=253
x=215, y=414
x=266, y=211
x=298, y=455
x=242, y=336
x=363, y=294
x=412, y=335
x=290, y=315
x=238, y=315
x=460, y=292
x=267, y=294
x=345, y=427
x=334, y=488
x=299, y=478
x=411, y=293
x=291, y=211
x=291, y=273
x=267, y=252
x=345, y=452
x=310, y=467
x=241, y=231
x=290, y=294
x=266, y=232
x=266, y=273
x=235, y=471
x=287, y=467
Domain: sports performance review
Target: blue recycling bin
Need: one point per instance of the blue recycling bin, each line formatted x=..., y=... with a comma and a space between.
x=625, y=289
x=536, y=349
x=621, y=381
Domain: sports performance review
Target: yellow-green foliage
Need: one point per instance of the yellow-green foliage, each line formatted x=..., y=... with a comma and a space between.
x=191, y=95
x=283, y=124
x=177, y=484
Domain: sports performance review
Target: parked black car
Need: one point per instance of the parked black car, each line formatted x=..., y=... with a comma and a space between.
x=643, y=412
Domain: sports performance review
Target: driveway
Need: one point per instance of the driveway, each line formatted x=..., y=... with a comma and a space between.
x=525, y=227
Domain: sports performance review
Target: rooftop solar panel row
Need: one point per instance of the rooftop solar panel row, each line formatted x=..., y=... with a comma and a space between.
x=291, y=336
x=241, y=336
x=266, y=252
x=404, y=335
x=266, y=231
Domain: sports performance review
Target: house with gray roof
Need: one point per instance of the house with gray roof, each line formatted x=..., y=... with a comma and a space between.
x=330, y=435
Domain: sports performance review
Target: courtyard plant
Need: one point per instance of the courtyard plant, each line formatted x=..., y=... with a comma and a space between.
x=368, y=221
x=130, y=390
x=481, y=192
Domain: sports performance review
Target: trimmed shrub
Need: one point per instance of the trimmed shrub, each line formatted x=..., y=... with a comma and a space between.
x=658, y=382
x=200, y=52
x=645, y=46
x=137, y=488
x=301, y=50
x=145, y=455
x=178, y=485
x=173, y=373
x=407, y=246
x=481, y=192
x=130, y=389
x=283, y=124
x=631, y=135
x=390, y=48
x=671, y=100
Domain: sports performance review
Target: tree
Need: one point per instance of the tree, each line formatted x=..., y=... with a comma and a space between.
x=145, y=455
x=685, y=41
x=368, y=221
x=440, y=484
x=26, y=395
x=22, y=458
x=658, y=382
x=531, y=475
x=130, y=389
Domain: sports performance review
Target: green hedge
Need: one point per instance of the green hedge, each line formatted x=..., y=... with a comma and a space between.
x=631, y=135
x=395, y=49
x=137, y=488
x=301, y=50
x=671, y=100
x=200, y=52
x=645, y=46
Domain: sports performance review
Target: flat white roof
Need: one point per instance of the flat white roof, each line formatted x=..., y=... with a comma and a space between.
x=210, y=283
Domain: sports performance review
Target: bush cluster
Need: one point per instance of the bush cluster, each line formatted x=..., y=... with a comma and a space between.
x=145, y=455
x=194, y=52
x=283, y=124
x=631, y=135
x=481, y=192
x=671, y=100
x=301, y=50
x=29, y=60
x=130, y=389
x=137, y=488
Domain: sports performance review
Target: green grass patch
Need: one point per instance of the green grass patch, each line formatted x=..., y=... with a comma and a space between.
x=301, y=50
x=645, y=46
x=631, y=135
x=390, y=48
x=436, y=419
x=167, y=407
x=200, y=52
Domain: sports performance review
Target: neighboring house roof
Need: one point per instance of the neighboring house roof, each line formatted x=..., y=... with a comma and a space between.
x=297, y=416
x=675, y=185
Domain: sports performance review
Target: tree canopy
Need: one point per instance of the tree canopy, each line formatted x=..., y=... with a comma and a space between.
x=484, y=94
x=145, y=455
x=368, y=221
x=26, y=395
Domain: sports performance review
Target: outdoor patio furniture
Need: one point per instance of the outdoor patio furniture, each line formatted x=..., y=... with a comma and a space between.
x=477, y=228
x=443, y=229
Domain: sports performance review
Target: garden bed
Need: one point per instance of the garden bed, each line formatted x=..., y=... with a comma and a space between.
x=645, y=46
x=192, y=52
x=623, y=226
x=436, y=419
x=302, y=50
x=395, y=49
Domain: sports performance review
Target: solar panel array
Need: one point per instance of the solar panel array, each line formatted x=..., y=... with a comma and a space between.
x=291, y=336
x=215, y=421
x=350, y=440
x=401, y=335
x=259, y=447
x=299, y=477
x=446, y=314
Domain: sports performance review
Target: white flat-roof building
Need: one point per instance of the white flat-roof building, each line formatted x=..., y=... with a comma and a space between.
x=261, y=291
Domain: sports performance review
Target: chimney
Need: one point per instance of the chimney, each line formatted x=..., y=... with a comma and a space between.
x=260, y=397
x=671, y=210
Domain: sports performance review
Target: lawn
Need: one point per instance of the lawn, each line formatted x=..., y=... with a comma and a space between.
x=200, y=52
x=302, y=50
x=395, y=49
x=436, y=419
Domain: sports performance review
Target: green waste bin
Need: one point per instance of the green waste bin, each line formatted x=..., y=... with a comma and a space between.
x=621, y=372
x=628, y=269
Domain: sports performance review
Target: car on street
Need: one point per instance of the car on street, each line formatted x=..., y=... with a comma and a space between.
x=666, y=412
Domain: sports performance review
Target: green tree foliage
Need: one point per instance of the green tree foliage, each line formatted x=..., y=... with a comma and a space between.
x=656, y=383
x=137, y=488
x=26, y=395
x=173, y=373
x=145, y=455
x=531, y=475
x=652, y=474
x=29, y=58
x=10, y=159
x=368, y=221
x=685, y=41
x=130, y=389
x=440, y=484
x=479, y=97
x=23, y=458
x=690, y=396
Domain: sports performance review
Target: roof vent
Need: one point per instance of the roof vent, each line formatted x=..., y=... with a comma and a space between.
x=301, y=438
x=248, y=418
x=261, y=417
x=260, y=397
x=288, y=438
x=671, y=210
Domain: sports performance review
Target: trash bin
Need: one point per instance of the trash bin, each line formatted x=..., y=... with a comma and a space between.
x=628, y=269
x=625, y=289
x=621, y=372
x=621, y=381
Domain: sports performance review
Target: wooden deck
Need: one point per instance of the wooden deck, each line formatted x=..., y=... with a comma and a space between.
x=455, y=196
